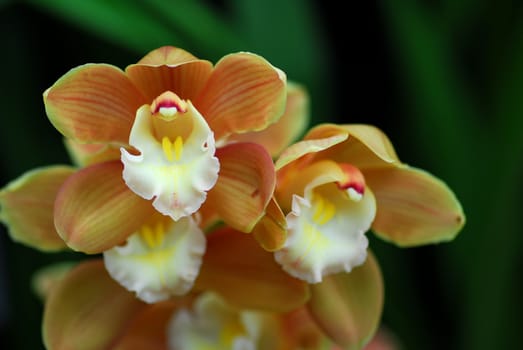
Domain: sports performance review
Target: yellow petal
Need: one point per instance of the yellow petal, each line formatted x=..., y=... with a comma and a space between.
x=87, y=309
x=414, y=207
x=84, y=154
x=246, y=275
x=26, y=207
x=244, y=93
x=245, y=185
x=288, y=128
x=95, y=210
x=168, y=55
x=271, y=230
x=185, y=79
x=93, y=103
x=348, y=306
x=366, y=147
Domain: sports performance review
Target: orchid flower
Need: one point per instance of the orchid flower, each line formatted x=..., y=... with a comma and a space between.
x=342, y=180
x=159, y=155
x=175, y=163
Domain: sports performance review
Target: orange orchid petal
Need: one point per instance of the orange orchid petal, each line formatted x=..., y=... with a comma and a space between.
x=93, y=103
x=167, y=55
x=271, y=230
x=186, y=80
x=84, y=154
x=244, y=93
x=87, y=309
x=95, y=210
x=414, y=207
x=249, y=277
x=148, y=330
x=245, y=185
x=26, y=207
x=307, y=148
x=348, y=306
x=366, y=147
x=288, y=128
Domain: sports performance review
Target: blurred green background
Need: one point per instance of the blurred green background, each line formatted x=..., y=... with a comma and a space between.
x=443, y=78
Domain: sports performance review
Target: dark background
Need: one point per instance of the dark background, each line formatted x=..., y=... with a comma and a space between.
x=444, y=79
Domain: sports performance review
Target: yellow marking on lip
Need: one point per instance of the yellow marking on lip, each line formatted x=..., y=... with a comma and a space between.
x=178, y=147
x=147, y=235
x=172, y=150
x=153, y=236
x=167, y=148
x=324, y=210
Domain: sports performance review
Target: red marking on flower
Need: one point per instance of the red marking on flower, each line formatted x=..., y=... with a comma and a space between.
x=168, y=99
x=354, y=178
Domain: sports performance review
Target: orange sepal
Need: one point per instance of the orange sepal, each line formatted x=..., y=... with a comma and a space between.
x=348, y=306
x=414, y=207
x=246, y=275
x=87, y=310
x=245, y=185
x=26, y=207
x=93, y=103
x=95, y=210
x=244, y=93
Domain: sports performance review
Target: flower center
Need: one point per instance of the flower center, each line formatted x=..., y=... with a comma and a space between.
x=327, y=225
x=176, y=165
x=323, y=209
x=161, y=259
x=153, y=235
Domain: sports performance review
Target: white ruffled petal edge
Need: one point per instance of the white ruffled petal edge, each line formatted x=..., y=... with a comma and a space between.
x=157, y=270
x=326, y=233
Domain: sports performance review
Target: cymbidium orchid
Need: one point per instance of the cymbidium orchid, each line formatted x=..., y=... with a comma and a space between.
x=173, y=166
x=342, y=180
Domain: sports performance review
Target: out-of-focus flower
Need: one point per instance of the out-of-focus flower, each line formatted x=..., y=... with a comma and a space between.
x=87, y=307
x=341, y=180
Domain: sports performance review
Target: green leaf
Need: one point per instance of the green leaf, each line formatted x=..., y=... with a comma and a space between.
x=442, y=106
x=203, y=28
x=120, y=21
